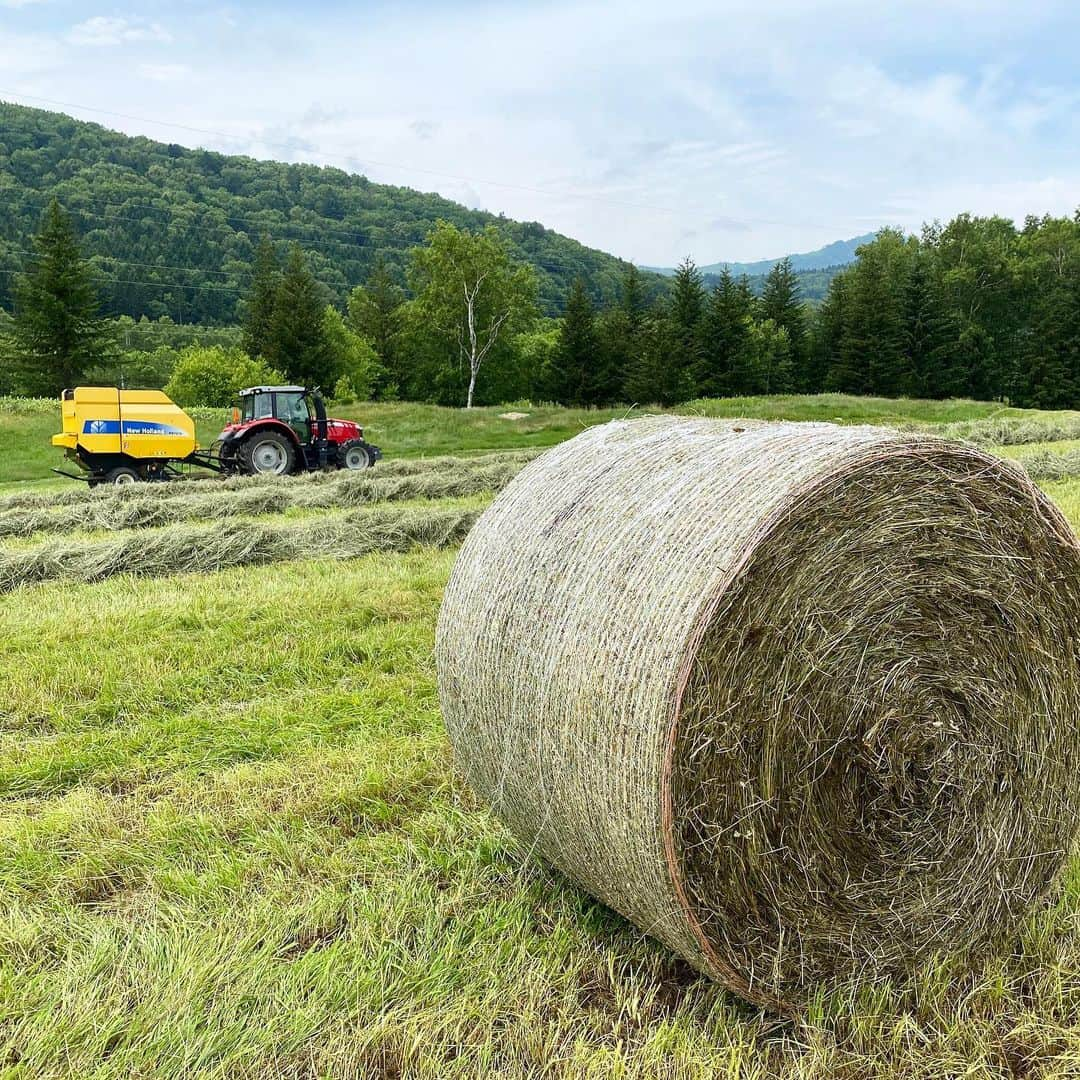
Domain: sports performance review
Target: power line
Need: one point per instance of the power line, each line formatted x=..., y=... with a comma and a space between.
x=209, y=230
x=244, y=275
x=157, y=266
x=375, y=244
x=155, y=284
x=129, y=262
x=208, y=206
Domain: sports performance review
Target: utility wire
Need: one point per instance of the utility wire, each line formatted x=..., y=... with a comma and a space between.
x=155, y=284
x=377, y=245
x=240, y=274
x=204, y=207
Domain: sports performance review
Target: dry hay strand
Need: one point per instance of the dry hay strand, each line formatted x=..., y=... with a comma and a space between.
x=798, y=700
x=186, y=486
x=209, y=548
x=348, y=489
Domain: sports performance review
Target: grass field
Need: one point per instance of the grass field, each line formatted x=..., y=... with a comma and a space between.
x=410, y=430
x=233, y=843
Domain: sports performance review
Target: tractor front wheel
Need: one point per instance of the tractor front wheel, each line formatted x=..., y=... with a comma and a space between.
x=122, y=475
x=353, y=455
x=267, y=452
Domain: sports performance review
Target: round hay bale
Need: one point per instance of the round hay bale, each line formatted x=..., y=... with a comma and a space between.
x=798, y=700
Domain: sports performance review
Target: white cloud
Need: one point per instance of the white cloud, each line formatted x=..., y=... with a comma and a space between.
x=864, y=101
x=104, y=30
x=27, y=54
x=164, y=72
x=756, y=128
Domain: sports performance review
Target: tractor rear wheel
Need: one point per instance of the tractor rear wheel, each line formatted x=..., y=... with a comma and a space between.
x=267, y=452
x=353, y=455
x=122, y=475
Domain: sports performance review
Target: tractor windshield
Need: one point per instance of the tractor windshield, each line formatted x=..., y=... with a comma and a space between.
x=256, y=406
x=295, y=410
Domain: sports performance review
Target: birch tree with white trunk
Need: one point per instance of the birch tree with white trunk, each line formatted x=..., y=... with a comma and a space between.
x=472, y=293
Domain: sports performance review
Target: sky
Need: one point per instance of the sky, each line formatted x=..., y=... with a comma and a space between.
x=653, y=130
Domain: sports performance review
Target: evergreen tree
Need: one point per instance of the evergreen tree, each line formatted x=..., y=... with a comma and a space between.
x=1053, y=376
x=929, y=333
x=573, y=377
x=1053, y=368
x=686, y=311
x=844, y=366
x=619, y=334
x=57, y=334
x=872, y=357
x=297, y=343
x=618, y=341
x=261, y=300
x=782, y=303
x=654, y=377
x=375, y=314
x=723, y=335
x=632, y=299
x=981, y=374
x=824, y=367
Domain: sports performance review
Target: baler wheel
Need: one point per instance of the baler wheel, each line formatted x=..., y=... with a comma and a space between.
x=122, y=475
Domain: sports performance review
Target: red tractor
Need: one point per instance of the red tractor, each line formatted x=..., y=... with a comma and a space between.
x=285, y=429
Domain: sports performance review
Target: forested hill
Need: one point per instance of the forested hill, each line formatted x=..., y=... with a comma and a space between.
x=172, y=230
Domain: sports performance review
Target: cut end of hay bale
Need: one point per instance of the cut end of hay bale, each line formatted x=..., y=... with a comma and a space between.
x=798, y=700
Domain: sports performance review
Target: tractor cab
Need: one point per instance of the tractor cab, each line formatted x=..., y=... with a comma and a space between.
x=292, y=405
x=285, y=429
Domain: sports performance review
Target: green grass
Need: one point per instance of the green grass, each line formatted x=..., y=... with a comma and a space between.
x=25, y=450
x=408, y=429
x=848, y=409
x=232, y=844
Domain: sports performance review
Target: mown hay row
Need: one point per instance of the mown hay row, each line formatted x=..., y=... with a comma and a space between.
x=798, y=700
x=1013, y=431
x=347, y=490
x=1047, y=465
x=78, y=493
x=206, y=548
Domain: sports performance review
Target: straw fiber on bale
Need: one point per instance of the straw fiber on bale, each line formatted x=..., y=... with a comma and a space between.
x=798, y=700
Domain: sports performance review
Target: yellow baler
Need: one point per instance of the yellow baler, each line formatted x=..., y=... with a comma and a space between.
x=120, y=436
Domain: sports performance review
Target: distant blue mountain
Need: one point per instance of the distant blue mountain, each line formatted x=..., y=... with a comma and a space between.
x=838, y=253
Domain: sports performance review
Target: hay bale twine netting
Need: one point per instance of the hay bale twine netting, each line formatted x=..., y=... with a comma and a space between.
x=798, y=700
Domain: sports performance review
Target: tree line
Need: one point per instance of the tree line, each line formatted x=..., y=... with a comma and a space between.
x=975, y=308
